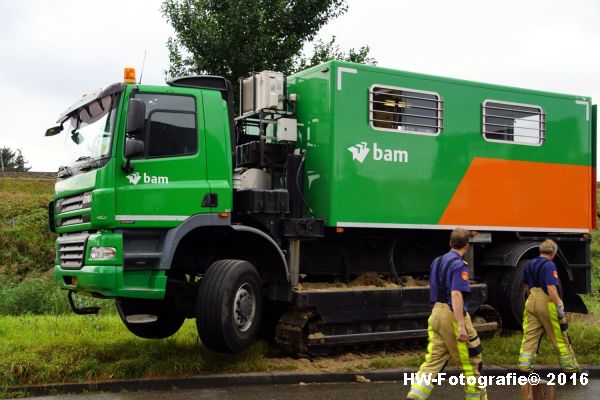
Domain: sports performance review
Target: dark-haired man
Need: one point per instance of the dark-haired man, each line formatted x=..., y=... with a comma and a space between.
x=451, y=333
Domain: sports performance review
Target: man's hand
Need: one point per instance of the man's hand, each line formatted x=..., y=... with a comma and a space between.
x=525, y=287
x=462, y=333
x=560, y=310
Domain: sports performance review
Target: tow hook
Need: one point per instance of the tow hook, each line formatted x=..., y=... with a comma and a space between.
x=82, y=310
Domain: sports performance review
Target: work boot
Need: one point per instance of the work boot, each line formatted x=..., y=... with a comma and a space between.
x=483, y=394
x=414, y=396
x=420, y=391
x=572, y=370
x=525, y=370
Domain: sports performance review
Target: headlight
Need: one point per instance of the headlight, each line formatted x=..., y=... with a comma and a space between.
x=86, y=200
x=103, y=253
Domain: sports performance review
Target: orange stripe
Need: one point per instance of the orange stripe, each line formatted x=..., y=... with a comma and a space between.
x=497, y=192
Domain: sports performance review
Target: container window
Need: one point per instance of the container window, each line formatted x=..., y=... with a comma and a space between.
x=513, y=123
x=405, y=110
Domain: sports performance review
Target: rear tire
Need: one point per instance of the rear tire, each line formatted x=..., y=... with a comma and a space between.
x=167, y=323
x=229, y=306
x=512, y=296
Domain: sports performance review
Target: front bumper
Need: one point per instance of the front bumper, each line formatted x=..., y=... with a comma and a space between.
x=113, y=281
x=75, y=270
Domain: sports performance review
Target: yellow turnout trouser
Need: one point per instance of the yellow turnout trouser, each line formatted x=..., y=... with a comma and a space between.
x=540, y=316
x=443, y=346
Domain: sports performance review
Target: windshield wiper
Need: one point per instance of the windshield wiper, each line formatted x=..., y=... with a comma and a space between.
x=92, y=163
x=64, y=172
x=86, y=166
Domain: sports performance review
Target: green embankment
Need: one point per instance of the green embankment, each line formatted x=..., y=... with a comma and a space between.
x=62, y=347
x=27, y=250
x=26, y=245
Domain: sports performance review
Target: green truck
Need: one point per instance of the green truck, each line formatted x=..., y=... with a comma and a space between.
x=266, y=224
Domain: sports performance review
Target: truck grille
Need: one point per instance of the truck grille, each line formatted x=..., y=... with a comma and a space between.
x=71, y=250
x=77, y=219
x=73, y=203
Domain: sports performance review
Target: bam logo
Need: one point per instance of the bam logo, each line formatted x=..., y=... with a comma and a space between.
x=135, y=178
x=361, y=151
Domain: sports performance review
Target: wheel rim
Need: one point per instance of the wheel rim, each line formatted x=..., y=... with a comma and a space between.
x=244, y=307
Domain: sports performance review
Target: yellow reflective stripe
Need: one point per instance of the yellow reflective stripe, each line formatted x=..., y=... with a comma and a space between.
x=416, y=394
x=423, y=388
x=562, y=347
x=430, y=335
x=472, y=395
x=525, y=322
x=463, y=353
x=525, y=359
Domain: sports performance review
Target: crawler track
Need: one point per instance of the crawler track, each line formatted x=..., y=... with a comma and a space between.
x=301, y=331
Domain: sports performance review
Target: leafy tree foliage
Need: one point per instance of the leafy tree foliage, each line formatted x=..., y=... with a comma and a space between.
x=13, y=160
x=234, y=37
x=325, y=51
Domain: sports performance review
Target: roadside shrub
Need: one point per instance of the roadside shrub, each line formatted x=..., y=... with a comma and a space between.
x=34, y=296
x=40, y=296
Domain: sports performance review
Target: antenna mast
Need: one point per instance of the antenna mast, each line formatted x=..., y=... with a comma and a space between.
x=143, y=64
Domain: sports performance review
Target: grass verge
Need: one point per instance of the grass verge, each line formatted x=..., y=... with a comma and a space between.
x=71, y=348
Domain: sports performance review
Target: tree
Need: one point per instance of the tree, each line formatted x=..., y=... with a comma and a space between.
x=232, y=38
x=13, y=160
x=325, y=51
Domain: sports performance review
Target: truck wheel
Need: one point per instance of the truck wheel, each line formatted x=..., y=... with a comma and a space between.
x=149, y=319
x=512, y=296
x=229, y=306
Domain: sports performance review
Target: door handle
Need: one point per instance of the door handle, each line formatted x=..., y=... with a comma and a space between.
x=210, y=200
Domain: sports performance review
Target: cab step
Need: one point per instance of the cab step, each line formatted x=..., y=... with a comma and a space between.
x=141, y=318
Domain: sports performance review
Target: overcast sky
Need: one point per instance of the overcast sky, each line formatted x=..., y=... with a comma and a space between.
x=52, y=52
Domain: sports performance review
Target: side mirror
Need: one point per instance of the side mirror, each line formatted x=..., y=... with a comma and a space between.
x=77, y=137
x=133, y=147
x=55, y=130
x=136, y=115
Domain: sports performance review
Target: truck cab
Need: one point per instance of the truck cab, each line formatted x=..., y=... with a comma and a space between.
x=140, y=157
x=148, y=177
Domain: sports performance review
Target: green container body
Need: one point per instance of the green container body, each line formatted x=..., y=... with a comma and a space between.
x=456, y=178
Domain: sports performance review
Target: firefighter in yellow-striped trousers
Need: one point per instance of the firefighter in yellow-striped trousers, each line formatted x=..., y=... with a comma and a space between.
x=544, y=312
x=451, y=333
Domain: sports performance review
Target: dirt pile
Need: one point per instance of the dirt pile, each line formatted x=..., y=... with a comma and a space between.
x=368, y=280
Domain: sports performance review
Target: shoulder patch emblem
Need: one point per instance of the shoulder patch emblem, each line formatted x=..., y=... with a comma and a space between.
x=555, y=274
x=464, y=275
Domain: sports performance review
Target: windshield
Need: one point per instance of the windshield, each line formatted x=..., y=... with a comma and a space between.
x=90, y=129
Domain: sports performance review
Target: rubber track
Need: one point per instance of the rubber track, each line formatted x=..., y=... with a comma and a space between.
x=291, y=330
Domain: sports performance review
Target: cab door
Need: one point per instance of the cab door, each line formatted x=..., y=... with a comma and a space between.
x=167, y=182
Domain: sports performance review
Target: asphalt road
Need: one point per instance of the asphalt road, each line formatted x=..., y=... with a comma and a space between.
x=330, y=391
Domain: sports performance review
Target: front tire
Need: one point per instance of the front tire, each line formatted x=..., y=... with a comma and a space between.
x=229, y=306
x=167, y=320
